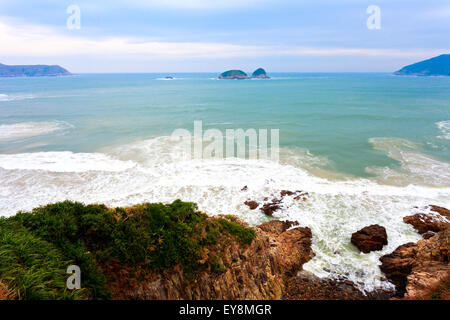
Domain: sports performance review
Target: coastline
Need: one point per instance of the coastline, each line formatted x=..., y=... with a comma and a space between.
x=125, y=255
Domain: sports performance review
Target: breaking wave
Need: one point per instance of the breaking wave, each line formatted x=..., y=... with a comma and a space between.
x=15, y=131
x=444, y=126
x=155, y=170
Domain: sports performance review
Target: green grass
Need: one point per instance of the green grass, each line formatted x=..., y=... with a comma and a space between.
x=243, y=234
x=37, y=247
x=34, y=268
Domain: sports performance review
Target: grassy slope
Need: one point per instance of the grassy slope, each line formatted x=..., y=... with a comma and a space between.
x=37, y=247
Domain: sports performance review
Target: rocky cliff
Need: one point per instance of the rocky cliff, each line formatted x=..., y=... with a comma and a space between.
x=259, y=270
x=174, y=251
x=421, y=270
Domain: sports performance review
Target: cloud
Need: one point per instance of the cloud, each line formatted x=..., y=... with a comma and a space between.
x=200, y=4
x=35, y=40
x=439, y=13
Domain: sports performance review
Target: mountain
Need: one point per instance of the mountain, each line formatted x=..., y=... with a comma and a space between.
x=233, y=74
x=32, y=71
x=260, y=74
x=437, y=66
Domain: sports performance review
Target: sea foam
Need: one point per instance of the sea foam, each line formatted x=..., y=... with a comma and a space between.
x=15, y=131
x=444, y=126
x=153, y=171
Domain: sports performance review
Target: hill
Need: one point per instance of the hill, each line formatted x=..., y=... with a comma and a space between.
x=32, y=71
x=437, y=66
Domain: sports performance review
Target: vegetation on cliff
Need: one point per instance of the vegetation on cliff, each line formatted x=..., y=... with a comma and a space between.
x=37, y=247
x=173, y=251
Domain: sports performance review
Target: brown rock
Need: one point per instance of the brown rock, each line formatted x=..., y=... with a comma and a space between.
x=437, y=220
x=371, y=238
x=270, y=207
x=299, y=195
x=277, y=227
x=259, y=270
x=306, y=286
x=428, y=234
x=398, y=265
x=252, y=204
x=284, y=193
x=416, y=268
x=424, y=222
x=442, y=211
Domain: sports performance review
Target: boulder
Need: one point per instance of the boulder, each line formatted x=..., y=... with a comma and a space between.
x=416, y=269
x=437, y=219
x=306, y=286
x=277, y=227
x=252, y=204
x=270, y=207
x=442, y=211
x=428, y=234
x=371, y=238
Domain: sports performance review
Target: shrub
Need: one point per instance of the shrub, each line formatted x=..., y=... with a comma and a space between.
x=36, y=247
x=244, y=235
x=32, y=267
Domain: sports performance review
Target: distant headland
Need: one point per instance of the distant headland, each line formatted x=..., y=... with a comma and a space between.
x=239, y=74
x=437, y=66
x=32, y=71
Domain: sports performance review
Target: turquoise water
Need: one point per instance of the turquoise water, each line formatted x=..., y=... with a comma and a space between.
x=369, y=148
x=331, y=115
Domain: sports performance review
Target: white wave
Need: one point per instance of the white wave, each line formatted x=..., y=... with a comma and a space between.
x=169, y=79
x=155, y=171
x=23, y=130
x=6, y=97
x=416, y=168
x=63, y=162
x=444, y=126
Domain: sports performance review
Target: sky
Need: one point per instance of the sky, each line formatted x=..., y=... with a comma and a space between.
x=213, y=36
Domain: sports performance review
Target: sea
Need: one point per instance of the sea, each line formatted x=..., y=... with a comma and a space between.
x=369, y=148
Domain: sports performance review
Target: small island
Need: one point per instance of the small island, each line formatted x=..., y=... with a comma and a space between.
x=437, y=66
x=233, y=74
x=32, y=70
x=260, y=73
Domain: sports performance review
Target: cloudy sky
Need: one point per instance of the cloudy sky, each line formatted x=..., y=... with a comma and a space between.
x=212, y=35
